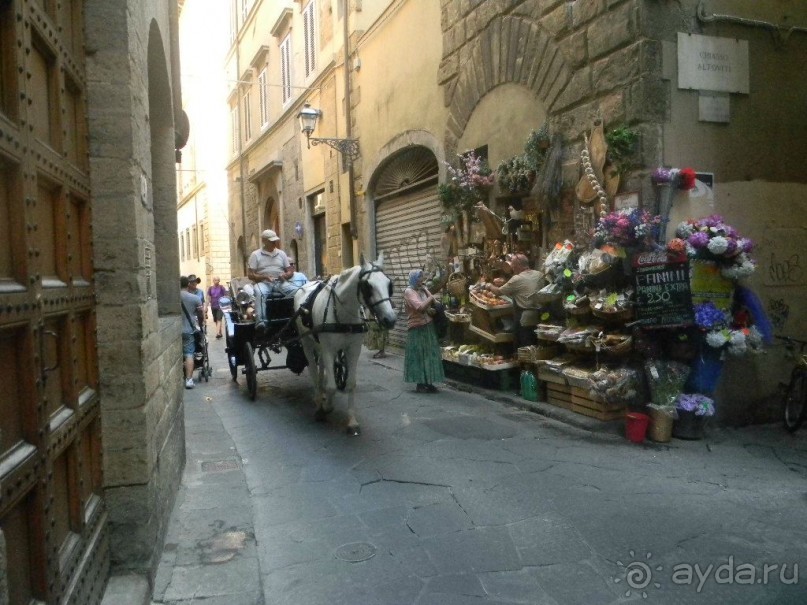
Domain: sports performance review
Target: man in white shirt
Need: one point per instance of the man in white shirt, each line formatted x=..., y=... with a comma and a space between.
x=269, y=268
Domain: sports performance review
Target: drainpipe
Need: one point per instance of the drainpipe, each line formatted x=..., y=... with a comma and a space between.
x=240, y=155
x=354, y=230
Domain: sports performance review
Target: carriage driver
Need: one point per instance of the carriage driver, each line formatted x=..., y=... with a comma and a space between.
x=269, y=268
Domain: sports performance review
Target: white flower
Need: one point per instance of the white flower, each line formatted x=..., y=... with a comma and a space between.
x=684, y=230
x=718, y=245
x=716, y=338
x=754, y=338
x=738, y=349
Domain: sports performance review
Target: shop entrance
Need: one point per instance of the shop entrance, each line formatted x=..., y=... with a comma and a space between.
x=52, y=512
x=407, y=225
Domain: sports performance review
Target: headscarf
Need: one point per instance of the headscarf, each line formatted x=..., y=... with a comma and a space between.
x=414, y=277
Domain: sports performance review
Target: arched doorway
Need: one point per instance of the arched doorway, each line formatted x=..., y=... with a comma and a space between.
x=407, y=220
x=270, y=218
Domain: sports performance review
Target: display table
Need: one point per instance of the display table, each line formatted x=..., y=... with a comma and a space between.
x=504, y=379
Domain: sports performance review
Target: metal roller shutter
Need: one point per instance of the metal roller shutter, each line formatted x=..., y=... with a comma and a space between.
x=408, y=232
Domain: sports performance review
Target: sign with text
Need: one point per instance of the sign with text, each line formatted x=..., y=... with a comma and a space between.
x=710, y=63
x=663, y=297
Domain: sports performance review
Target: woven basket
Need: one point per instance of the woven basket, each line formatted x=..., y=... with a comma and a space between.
x=618, y=350
x=457, y=285
x=525, y=354
x=573, y=311
x=622, y=315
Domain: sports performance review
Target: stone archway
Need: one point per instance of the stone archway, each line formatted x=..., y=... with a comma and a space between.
x=270, y=218
x=511, y=49
x=162, y=200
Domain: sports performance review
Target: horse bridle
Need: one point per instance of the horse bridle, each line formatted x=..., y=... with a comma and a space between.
x=366, y=290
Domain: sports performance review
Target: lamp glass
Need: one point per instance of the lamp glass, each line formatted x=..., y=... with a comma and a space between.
x=308, y=119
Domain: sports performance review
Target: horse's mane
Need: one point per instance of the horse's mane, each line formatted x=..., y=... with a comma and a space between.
x=348, y=276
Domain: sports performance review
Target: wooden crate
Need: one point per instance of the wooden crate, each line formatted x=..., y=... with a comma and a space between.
x=594, y=407
x=548, y=376
x=559, y=395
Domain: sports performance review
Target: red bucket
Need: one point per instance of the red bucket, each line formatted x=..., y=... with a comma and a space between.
x=636, y=426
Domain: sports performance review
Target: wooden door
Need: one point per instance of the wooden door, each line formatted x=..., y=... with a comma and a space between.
x=52, y=513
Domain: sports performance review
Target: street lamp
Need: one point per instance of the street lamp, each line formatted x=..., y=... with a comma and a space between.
x=349, y=148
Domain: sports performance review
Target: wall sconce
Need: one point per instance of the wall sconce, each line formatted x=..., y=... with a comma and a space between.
x=349, y=148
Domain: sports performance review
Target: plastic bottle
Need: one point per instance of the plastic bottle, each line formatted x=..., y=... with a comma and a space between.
x=532, y=387
x=524, y=386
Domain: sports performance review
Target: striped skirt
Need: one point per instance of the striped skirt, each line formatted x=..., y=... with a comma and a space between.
x=423, y=363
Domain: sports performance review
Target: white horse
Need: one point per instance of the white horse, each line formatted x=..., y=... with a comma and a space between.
x=337, y=325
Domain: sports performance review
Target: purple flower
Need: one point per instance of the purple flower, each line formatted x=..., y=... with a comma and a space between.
x=699, y=240
x=661, y=175
x=708, y=316
x=700, y=404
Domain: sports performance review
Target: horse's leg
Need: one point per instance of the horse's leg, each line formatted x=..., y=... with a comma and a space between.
x=352, y=359
x=316, y=376
x=328, y=379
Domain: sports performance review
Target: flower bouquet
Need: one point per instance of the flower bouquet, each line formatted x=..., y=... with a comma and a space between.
x=468, y=183
x=711, y=238
x=692, y=410
x=726, y=332
x=516, y=175
x=627, y=228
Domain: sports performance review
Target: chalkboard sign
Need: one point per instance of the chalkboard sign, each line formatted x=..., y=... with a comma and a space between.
x=663, y=297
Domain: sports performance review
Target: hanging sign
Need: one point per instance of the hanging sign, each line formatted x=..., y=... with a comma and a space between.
x=663, y=296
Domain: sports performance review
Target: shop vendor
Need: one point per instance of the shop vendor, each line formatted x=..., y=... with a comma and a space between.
x=522, y=288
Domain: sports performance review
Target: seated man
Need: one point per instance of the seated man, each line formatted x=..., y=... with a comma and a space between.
x=269, y=268
x=297, y=279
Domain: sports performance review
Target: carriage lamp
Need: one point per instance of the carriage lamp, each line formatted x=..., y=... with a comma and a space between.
x=349, y=148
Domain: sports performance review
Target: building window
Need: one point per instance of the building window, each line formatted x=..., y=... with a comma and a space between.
x=246, y=6
x=285, y=69
x=202, y=237
x=188, y=243
x=195, y=242
x=309, y=32
x=234, y=129
x=181, y=246
x=247, y=118
x=263, y=97
x=233, y=22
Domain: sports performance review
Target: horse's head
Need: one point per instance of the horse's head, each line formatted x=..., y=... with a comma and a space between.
x=376, y=290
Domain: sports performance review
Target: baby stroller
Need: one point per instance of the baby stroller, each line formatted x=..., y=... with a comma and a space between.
x=201, y=360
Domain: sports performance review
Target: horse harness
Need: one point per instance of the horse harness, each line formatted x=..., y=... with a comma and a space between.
x=363, y=291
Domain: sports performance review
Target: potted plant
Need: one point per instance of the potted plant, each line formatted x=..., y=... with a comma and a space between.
x=693, y=410
x=468, y=183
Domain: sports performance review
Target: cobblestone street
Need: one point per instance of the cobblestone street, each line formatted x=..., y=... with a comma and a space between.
x=454, y=498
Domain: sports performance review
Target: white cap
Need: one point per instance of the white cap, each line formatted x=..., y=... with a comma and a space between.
x=270, y=235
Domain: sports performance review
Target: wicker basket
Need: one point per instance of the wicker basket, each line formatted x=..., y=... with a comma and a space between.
x=618, y=350
x=621, y=315
x=457, y=285
x=525, y=354
x=573, y=311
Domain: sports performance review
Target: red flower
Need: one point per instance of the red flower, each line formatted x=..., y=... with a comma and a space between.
x=687, y=176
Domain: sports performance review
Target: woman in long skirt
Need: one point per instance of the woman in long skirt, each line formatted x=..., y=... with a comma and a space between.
x=423, y=363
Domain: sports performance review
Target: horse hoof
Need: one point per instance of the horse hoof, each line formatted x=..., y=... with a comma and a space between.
x=353, y=431
x=320, y=415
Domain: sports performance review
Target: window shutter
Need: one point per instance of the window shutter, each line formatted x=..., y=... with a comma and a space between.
x=285, y=68
x=264, y=102
x=309, y=32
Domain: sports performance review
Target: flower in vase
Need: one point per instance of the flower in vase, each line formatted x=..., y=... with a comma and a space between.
x=684, y=229
x=709, y=317
x=743, y=267
x=695, y=402
x=717, y=338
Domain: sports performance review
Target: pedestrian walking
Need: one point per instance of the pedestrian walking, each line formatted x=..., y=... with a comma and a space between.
x=214, y=294
x=423, y=363
x=191, y=309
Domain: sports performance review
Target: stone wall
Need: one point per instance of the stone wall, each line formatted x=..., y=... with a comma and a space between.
x=130, y=106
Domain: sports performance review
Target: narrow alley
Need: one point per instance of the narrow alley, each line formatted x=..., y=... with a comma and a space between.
x=454, y=498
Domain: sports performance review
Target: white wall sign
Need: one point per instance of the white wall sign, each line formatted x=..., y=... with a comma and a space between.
x=714, y=107
x=709, y=63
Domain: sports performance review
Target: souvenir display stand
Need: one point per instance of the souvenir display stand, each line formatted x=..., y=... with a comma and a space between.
x=631, y=319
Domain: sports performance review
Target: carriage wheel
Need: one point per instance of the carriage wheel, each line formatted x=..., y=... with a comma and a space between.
x=250, y=370
x=340, y=369
x=233, y=366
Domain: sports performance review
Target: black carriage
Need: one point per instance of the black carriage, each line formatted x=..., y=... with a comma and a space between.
x=201, y=359
x=252, y=350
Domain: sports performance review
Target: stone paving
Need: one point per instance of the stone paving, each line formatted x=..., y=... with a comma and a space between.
x=455, y=498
